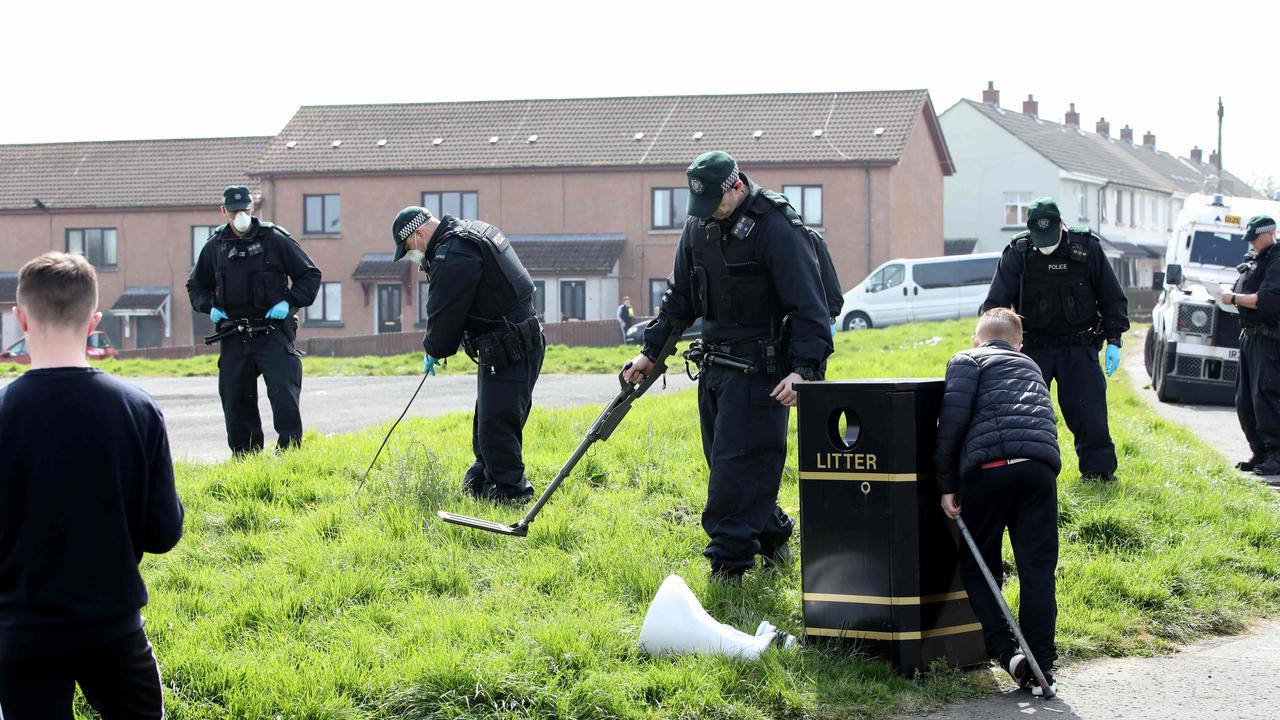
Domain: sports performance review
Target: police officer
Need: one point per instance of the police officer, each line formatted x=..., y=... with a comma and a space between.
x=254, y=270
x=745, y=264
x=1257, y=294
x=1060, y=282
x=481, y=297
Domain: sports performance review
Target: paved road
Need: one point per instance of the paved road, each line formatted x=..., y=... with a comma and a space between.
x=193, y=412
x=1234, y=677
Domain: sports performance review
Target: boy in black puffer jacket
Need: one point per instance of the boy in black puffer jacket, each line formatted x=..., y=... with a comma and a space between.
x=998, y=447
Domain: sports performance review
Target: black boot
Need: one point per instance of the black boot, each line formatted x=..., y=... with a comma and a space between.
x=1270, y=467
x=1254, y=461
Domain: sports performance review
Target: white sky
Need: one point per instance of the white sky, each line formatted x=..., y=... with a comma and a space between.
x=127, y=70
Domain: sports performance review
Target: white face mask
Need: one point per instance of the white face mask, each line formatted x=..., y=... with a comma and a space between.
x=416, y=256
x=1049, y=250
x=243, y=221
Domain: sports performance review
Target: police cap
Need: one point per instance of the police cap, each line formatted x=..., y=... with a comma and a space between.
x=710, y=177
x=1258, y=225
x=407, y=221
x=236, y=198
x=1045, y=222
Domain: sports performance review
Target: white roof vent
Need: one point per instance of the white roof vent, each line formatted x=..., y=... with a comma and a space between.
x=817, y=133
x=878, y=132
x=638, y=136
x=381, y=143
x=493, y=140
x=532, y=139
x=335, y=144
x=757, y=134
x=697, y=135
x=291, y=144
x=437, y=141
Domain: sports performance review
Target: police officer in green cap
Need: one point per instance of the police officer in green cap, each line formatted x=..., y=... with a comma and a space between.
x=480, y=297
x=746, y=265
x=1257, y=294
x=1058, y=279
x=250, y=269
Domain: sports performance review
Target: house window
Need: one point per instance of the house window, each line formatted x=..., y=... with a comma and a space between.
x=1016, y=206
x=321, y=215
x=1133, y=202
x=1119, y=208
x=1155, y=213
x=1084, y=202
x=573, y=300
x=657, y=286
x=1142, y=212
x=423, y=289
x=540, y=298
x=1102, y=205
x=199, y=234
x=98, y=245
x=458, y=203
x=328, y=305
x=669, y=205
x=807, y=200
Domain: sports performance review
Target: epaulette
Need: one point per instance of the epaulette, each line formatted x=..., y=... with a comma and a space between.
x=1023, y=234
x=275, y=226
x=1080, y=230
x=780, y=201
x=216, y=232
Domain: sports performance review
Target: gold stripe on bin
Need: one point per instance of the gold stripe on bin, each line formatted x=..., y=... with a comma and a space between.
x=857, y=476
x=895, y=636
x=886, y=599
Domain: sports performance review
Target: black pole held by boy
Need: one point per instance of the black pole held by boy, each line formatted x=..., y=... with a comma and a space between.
x=88, y=488
x=996, y=465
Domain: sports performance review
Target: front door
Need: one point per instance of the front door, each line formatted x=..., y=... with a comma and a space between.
x=148, y=331
x=389, y=308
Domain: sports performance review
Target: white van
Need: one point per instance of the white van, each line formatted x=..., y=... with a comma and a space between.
x=919, y=289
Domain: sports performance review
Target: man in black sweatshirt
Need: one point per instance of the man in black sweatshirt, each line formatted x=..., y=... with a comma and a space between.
x=998, y=448
x=86, y=488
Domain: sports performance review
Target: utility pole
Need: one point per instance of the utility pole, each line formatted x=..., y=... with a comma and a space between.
x=1219, y=136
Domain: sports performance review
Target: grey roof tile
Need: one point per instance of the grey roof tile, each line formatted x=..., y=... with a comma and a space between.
x=149, y=297
x=588, y=253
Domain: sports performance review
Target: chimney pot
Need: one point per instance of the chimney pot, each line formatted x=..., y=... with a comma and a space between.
x=1126, y=134
x=1149, y=140
x=1103, y=127
x=1197, y=155
x=1073, y=117
x=1030, y=106
x=1213, y=157
x=991, y=96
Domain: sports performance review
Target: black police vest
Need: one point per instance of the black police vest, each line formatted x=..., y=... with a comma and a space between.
x=504, y=281
x=1057, y=292
x=1252, y=273
x=250, y=277
x=731, y=286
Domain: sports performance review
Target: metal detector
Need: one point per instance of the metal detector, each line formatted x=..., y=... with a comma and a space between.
x=601, y=429
x=388, y=437
x=1004, y=608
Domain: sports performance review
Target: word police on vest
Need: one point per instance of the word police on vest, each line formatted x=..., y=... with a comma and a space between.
x=676, y=624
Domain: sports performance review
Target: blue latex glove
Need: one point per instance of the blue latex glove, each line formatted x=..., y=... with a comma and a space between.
x=279, y=312
x=429, y=365
x=1113, y=359
x=215, y=315
x=833, y=328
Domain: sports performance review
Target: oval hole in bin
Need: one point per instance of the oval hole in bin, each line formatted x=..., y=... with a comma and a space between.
x=844, y=428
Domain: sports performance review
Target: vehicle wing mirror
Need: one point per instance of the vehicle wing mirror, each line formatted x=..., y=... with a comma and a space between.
x=1173, y=274
x=1157, y=280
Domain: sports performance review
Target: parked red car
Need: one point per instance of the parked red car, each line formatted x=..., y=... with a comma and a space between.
x=97, y=347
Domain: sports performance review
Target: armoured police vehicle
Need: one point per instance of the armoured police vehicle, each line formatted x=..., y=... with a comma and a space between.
x=1192, y=348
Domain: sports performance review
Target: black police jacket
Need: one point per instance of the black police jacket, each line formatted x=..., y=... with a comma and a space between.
x=477, y=284
x=791, y=286
x=1261, y=275
x=1073, y=288
x=996, y=406
x=280, y=256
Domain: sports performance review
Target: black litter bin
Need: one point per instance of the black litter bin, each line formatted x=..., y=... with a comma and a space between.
x=879, y=558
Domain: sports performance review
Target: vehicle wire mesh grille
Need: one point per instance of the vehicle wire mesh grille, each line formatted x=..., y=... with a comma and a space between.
x=1189, y=366
x=1186, y=310
x=1230, y=370
x=1192, y=366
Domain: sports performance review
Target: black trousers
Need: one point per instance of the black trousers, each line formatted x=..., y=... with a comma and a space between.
x=1258, y=393
x=120, y=679
x=1082, y=396
x=240, y=363
x=503, y=402
x=1023, y=498
x=744, y=439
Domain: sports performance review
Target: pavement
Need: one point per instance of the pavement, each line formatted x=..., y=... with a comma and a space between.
x=193, y=412
x=1229, y=677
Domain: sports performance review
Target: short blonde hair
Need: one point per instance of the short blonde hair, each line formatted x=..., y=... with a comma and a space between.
x=58, y=289
x=1000, y=324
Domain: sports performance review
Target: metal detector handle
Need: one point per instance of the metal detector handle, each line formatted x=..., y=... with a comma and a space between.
x=1004, y=607
x=621, y=404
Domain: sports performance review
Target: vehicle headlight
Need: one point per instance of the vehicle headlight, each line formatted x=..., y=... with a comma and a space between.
x=1200, y=319
x=1195, y=318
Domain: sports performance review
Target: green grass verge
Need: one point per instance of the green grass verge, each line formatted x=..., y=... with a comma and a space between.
x=288, y=599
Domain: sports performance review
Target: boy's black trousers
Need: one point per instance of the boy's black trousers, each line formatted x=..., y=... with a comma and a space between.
x=1022, y=497
x=119, y=678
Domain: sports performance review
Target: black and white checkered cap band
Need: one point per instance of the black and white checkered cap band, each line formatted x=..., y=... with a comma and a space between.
x=731, y=180
x=413, y=225
x=1264, y=229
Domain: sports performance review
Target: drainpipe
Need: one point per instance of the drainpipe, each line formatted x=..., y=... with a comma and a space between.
x=1102, y=199
x=866, y=167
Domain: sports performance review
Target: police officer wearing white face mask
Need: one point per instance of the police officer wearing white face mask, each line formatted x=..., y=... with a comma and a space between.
x=250, y=269
x=1058, y=279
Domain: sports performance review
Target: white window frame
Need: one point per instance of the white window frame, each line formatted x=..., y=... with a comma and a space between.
x=796, y=194
x=325, y=199
x=1083, y=199
x=1021, y=203
x=326, y=313
x=198, y=241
